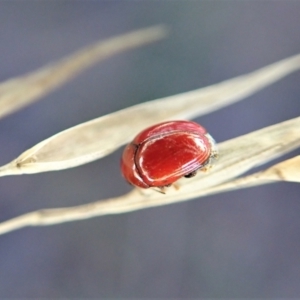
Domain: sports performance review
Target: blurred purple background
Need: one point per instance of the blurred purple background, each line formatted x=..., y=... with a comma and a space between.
x=242, y=244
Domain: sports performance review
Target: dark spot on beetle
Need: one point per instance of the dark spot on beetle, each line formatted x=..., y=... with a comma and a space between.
x=192, y=174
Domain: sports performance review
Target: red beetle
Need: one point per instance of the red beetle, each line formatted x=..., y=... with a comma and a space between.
x=163, y=153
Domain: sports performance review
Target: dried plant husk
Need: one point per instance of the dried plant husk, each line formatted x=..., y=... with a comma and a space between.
x=23, y=90
x=99, y=137
x=288, y=170
x=236, y=157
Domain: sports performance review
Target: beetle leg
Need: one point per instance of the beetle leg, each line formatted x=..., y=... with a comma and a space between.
x=192, y=174
x=176, y=186
x=159, y=189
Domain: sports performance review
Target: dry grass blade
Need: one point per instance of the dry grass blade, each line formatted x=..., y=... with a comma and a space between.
x=94, y=139
x=18, y=92
x=288, y=170
x=236, y=157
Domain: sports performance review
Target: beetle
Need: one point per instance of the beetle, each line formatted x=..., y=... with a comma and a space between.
x=163, y=153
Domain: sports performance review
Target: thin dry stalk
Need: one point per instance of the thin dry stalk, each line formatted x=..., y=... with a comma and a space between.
x=20, y=91
x=288, y=170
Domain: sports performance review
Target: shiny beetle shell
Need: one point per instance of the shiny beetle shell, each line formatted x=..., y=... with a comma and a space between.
x=163, y=153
